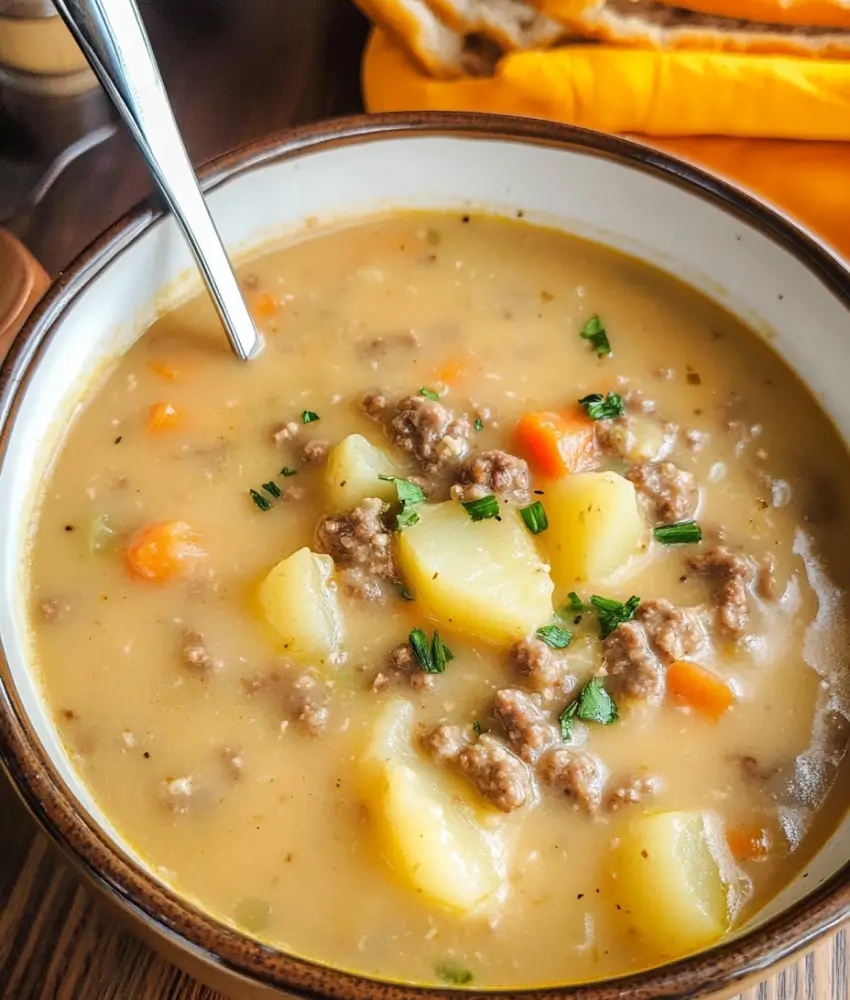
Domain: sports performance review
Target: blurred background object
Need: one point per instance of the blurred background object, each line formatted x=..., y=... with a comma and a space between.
x=236, y=70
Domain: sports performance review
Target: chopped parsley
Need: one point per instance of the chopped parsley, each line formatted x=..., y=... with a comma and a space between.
x=476, y=728
x=678, y=534
x=613, y=613
x=272, y=489
x=595, y=332
x=593, y=704
x=483, y=508
x=409, y=496
x=450, y=973
x=601, y=407
x=534, y=517
x=478, y=424
x=286, y=471
x=403, y=592
x=555, y=636
x=260, y=500
x=429, y=394
x=309, y=417
x=431, y=658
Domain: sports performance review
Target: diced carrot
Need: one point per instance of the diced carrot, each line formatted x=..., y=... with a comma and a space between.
x=265, y=306
x=163, y=417
x=160, y=551
x=749, y=844
x=452, y=371
x=699, y=688
x=557, y=443
x=166, y=368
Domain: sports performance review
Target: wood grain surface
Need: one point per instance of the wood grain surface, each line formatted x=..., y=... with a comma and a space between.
x=237, y=69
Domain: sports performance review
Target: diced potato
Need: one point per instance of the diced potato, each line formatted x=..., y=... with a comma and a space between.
x=485, y=578
x=435, y=838
x=676, y=880
x=595, y=526
x=299, y=600
x=352, y=471
x=641, y=438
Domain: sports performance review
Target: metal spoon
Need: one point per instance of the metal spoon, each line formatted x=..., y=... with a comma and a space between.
x=114, y=40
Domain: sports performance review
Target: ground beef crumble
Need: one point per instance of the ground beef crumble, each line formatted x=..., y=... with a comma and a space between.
x=540, y=669
x=634, y=789
x=422, y=428
x=731, y=571
x=637, y=651
x=358, y=538
x=499, y=776
x=670, y=493
x=315, y=453
x=307, y=703
x=403, y=667
x=527, y=728
x=492, y=472
x=195, y=654
x=576, y=774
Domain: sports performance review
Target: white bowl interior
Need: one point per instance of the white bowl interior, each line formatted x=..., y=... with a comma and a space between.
x=614, y=204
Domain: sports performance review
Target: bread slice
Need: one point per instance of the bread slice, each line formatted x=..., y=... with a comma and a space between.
x=653, y=24
x=806, y=13
x=514, y=25
x=431, y=44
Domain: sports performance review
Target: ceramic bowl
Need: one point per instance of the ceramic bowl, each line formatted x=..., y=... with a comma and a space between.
x=757, y=264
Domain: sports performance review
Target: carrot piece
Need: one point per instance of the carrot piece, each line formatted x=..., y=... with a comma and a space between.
x=265, y=306
x=159, y=551
x=557, y=443
x=163, y=417
x=166, y=368
x=699, y=688
x=749, y=844
x=452, y=371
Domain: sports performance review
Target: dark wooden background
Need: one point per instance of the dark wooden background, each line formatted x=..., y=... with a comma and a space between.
x=236, y=70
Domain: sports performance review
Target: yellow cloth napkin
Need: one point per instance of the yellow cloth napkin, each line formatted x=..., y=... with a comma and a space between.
x=695, y=105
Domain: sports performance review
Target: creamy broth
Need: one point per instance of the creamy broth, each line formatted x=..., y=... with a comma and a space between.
x=237, y=771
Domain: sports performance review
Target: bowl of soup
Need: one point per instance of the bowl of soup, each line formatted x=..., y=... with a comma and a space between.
x=488, y=632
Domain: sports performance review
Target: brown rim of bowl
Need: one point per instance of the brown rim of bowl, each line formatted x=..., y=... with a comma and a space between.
x=109, y=867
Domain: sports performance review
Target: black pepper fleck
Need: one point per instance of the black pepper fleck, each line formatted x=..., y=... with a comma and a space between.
x=119, y=439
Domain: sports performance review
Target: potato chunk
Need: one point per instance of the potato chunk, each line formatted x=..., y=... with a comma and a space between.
x=677, y=881
x=431, y=833
x=299, y=601
x=595, y=526
x=352, y=471
x=485, y=578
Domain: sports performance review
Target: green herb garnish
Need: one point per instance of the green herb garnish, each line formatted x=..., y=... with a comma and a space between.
x=403, y=592
x=429, y=394
x=476, y=727
x=678, y=534
x=613, y=613
x=409, y=496
x=286, y=471
x=478, y=424
x=601, y=407
x=272, y=489
x=260, y=500
x=482, y=509
x=566, y=721
x=308, y=417
x=453, y=974
x=555, y=636
x=432, y=659
x=575, y=605
x=534, y=517
x=593, y=704
x=595, y=332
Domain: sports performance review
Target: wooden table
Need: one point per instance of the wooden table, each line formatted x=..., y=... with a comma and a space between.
x=237, y=69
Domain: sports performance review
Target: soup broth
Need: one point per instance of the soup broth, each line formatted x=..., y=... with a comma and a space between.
x=415, y=726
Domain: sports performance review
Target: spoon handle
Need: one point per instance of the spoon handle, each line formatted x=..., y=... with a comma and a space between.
x=114, y=40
